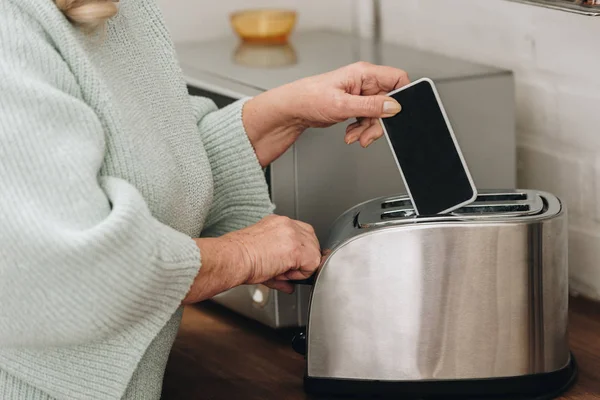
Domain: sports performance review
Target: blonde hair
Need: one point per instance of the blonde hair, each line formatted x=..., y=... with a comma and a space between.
x=88, y=14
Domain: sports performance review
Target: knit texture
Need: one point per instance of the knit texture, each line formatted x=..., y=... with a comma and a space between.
x=107, y=168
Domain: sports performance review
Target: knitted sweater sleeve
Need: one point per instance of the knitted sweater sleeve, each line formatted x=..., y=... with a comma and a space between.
x=241, y=195
x=81, y=256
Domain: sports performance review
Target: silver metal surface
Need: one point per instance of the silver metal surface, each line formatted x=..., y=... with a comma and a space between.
x=320, y=176
x=476, y=297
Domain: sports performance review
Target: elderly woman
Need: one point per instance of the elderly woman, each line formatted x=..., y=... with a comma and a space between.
x=123, y=198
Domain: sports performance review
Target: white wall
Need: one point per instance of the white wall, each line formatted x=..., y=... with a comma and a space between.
x=556, y=59
x=190, y=20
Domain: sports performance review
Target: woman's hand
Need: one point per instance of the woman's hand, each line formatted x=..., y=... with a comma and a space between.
x=278, y=249
x=273, y=251
x=276, y=118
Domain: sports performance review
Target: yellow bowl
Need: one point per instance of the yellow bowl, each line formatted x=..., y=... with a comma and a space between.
x=264, y=26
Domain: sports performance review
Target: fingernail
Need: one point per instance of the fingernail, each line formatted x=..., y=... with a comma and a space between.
x=391, y=107
x=369, y=143
x=351, y=139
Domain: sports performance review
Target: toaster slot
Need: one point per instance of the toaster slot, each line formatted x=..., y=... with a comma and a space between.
x=405, y=203
x=396, y=203
x=398, y=214
x=492, y=209
x=486, y=197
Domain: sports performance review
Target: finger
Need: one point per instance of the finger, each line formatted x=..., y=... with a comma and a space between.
x=370, y=106
x=313, y=251
x=310, y=256
x=302, y=274
x=348, y=137
x=310, y=259
x=305, y=227
x=298, y=275
x=310, y=244
x=374, y=132
x=282, y=286
x=293, y=275
x=309, y=234
x=309, y=252
x=352, y=126
x=367, y=124
x=387, y=78
x=310, y=238
x=309, y=265
x=353, y=135
x=281, y=277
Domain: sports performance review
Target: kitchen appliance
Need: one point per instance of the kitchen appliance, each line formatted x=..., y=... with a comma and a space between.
x=472, y=303
x=320, y=176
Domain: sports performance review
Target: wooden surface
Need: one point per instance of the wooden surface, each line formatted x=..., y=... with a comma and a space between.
x=220, y=356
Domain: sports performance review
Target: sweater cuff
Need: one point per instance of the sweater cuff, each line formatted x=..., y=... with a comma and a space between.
x=241, y=195
x=176, y=250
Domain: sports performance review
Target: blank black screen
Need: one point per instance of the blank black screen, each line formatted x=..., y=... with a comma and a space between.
x=430, y=162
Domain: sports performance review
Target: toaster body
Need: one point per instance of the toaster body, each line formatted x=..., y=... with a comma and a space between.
x=466, y=304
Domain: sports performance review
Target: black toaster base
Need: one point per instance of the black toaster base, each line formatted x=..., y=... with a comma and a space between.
x=528, y=387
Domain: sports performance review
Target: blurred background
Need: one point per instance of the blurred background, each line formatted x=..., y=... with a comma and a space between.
x=553, y=54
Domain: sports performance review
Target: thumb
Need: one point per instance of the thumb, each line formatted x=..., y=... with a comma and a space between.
x=372, y=106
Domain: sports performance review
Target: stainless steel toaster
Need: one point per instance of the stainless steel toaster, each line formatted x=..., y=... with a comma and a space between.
x=468, y=304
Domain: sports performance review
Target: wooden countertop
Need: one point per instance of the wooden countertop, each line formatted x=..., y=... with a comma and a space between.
x=220, y=356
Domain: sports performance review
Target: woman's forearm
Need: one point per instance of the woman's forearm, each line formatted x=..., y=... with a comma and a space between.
x=222, y=268
x=270, y=123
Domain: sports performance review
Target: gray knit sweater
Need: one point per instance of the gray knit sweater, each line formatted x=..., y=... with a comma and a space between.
x=107, y=169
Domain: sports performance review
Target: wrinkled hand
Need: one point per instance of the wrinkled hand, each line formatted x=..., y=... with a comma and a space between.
x=278, y=249
x=355, y=91
x=272, y=252
x=276, y=118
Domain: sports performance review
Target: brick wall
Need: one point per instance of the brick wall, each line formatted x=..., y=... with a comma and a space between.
x=556, y=60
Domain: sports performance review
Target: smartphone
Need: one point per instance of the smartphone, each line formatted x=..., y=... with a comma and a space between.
x=426, y=152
